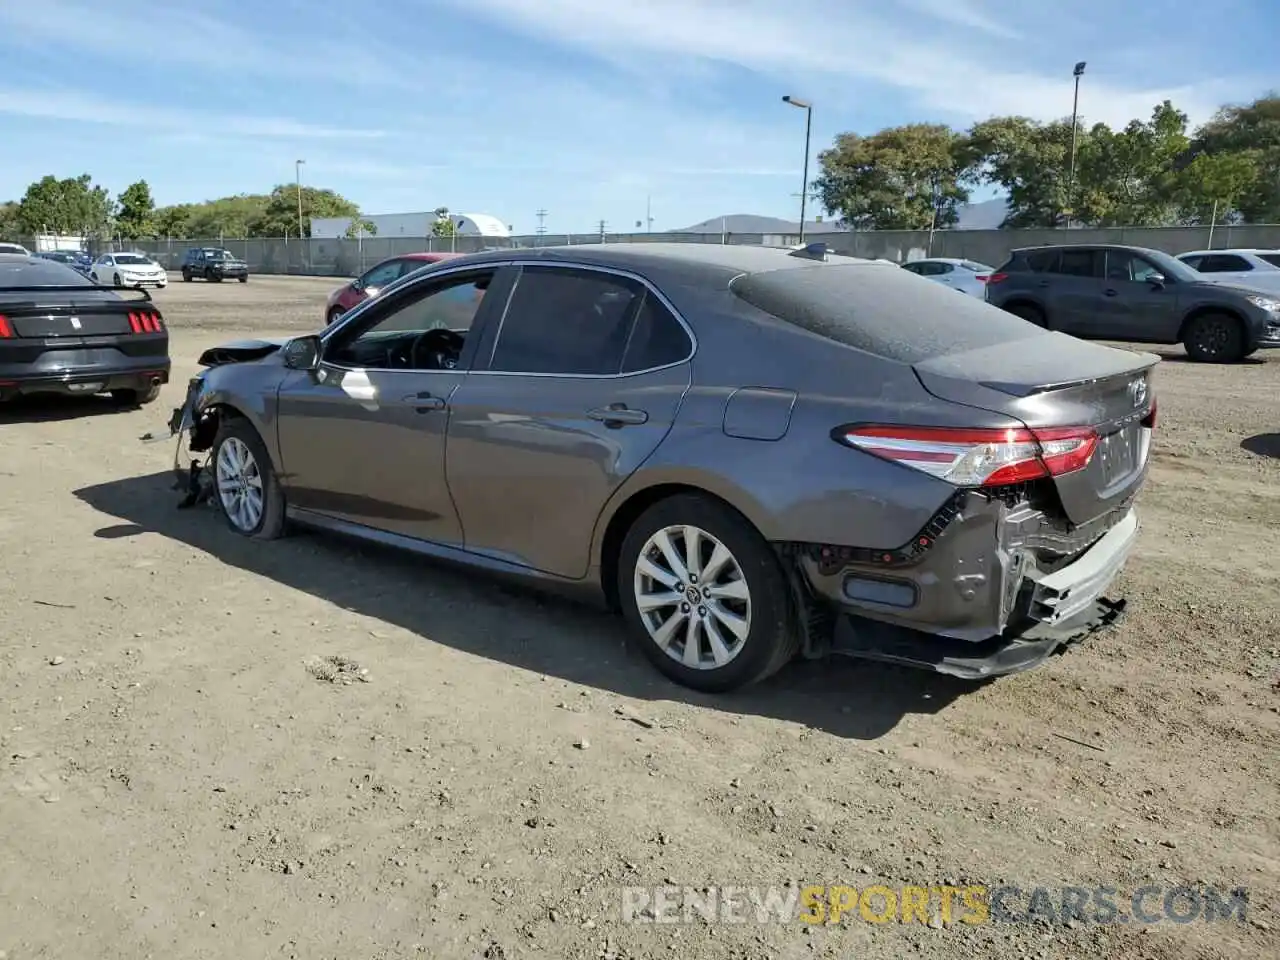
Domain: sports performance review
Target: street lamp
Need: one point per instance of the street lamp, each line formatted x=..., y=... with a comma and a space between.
x=297, y=172
x=1078, y=72
x=807, y=107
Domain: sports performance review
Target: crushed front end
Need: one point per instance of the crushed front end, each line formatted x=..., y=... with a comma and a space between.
x=194, y=429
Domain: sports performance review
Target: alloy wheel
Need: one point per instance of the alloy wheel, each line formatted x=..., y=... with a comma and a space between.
x=692, y=597
x=239, y=481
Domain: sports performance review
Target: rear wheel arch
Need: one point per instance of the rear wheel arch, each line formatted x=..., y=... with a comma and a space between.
x=1028, y=309
x=629, y=511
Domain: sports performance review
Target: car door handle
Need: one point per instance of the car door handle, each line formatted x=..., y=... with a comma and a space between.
x=1111, y=292
x=424, y=402
x=1043, y=283
x=618, y=415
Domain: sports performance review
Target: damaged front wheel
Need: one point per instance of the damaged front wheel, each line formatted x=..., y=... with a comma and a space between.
x=244, y=482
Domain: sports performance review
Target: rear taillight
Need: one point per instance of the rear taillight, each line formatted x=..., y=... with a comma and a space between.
x=6, y=329
x=993, y=277
x=148, y=321
x=977, y=458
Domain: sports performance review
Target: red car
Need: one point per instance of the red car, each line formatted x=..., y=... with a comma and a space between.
x=375, y=278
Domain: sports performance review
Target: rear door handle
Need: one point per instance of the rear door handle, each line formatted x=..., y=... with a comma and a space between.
x=424, y=402
x=1043, y=283
x=618, y=415
x=1110, y=292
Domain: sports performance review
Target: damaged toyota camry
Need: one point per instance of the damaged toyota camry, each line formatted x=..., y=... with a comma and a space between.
x=751, y=454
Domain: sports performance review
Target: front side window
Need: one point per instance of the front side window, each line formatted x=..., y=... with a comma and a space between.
x=415, y=328
x=381, y=275
x=1130, y=266
x=567, y=321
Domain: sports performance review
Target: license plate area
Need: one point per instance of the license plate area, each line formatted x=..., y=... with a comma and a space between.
x=1118, y=454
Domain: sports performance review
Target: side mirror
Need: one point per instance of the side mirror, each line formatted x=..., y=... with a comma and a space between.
x=302, y=353
x=1156, y=280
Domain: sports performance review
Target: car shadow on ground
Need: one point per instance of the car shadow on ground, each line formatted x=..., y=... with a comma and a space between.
x=1263, y=445
x=48, y=408
x=491, y=619
x=1180, y=357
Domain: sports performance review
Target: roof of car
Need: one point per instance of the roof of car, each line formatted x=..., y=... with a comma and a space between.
x=1127, y=247
x=716, y=258
x=1229, y=250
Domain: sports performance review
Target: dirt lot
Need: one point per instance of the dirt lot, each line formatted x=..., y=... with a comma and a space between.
x=175, y=781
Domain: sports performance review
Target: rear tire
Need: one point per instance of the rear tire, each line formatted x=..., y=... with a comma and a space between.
x=1214, y=338
x=136, y=398
x=1030, y=313
x=244, y=279
x=740, y=617
x=239, y=466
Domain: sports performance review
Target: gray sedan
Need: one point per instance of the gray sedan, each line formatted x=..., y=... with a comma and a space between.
x=751, y=454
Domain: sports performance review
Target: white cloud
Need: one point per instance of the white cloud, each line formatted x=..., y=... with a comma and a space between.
x=955, y=63
x=63, y=105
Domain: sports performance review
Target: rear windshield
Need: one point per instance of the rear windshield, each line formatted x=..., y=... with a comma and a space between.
x=1271, y=258
x=975, y=267
x=40, y=273
x=889, y=313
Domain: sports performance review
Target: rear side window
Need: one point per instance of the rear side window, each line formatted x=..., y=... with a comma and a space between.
x=882, y=312
x=566, y=321
x=1224, y=263
x=1271, y=258
x=657, y=338
x=1192, y=262
x=1032, y=261
x=1080, y=263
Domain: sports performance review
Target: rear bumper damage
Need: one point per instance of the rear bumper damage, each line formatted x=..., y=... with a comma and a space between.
x=989, y=587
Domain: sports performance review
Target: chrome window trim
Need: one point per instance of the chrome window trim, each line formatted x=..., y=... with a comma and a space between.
x=410, y=280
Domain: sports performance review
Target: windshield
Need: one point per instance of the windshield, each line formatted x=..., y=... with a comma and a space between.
x=219, y=255
x=132, y=258
x=11, y=248
x=40, y=273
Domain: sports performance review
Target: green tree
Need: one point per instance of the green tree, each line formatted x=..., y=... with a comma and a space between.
x=226, y=217
x=280, y=212
x=1210, y=188
x=9, y=224
x=136, y=218
x=443, y=225
x=1130, y=177
x=71, y=206
x=1252, y=130
x=174, y=221
x=1030, y=160
x=903, y=178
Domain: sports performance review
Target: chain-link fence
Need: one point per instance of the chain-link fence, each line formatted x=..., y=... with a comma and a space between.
x=351, y=257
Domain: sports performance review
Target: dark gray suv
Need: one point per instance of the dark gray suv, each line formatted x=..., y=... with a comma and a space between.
x=1112, y=292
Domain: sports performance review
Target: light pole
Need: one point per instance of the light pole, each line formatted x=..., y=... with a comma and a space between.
x=807, y=107
x=1078, y=72
x=297, y=172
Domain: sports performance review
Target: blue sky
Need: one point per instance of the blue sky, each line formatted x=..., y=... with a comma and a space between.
x=582, y=107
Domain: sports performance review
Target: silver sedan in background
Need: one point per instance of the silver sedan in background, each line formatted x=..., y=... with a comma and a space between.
x=967, y=276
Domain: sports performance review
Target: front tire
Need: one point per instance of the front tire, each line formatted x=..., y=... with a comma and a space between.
x=116, y=280
x=245, y=485
x=705, y=595
x=244, y=279
x=1214, y=338
x=186, y=275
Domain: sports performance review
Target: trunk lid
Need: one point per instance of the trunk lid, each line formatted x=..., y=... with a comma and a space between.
x=1054, y=380
x=88, y=318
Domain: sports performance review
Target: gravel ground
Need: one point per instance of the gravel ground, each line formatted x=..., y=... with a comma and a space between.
x=217, y=748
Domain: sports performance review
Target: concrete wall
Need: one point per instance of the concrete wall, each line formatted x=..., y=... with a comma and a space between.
x=348, y=258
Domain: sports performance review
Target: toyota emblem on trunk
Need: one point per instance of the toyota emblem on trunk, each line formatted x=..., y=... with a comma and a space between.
x=1138, y=392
